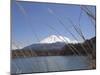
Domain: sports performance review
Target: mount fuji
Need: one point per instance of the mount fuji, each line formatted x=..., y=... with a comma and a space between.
x=55, y=38
x=53, y=42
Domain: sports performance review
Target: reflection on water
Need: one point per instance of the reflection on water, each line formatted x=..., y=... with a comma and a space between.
x=49, y=63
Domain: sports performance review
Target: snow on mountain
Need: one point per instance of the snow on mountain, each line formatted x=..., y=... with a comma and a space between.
x=52, y=42
x=55, y=38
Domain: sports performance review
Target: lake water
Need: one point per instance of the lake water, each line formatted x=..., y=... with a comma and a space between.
x=48, y=64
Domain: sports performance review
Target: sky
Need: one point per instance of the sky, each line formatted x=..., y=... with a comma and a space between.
x=33, y=21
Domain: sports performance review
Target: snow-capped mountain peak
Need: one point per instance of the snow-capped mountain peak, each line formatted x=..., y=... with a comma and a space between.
x=55, y=38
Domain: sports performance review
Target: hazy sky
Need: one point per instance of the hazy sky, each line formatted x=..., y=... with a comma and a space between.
x=31, y=21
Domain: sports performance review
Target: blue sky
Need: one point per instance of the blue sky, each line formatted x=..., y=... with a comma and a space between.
x=31, y=21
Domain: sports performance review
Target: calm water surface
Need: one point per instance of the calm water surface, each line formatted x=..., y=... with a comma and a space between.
x=49, y=63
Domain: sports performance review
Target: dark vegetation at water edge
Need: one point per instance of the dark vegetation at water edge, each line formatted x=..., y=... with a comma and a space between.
x=88, y=47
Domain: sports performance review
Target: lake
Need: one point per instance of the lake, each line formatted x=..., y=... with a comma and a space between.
x=49, y=64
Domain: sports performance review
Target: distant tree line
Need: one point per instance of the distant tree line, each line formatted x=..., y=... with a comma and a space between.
x=88, y=47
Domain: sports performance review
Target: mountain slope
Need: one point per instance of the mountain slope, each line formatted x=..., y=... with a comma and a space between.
x=54, y=39
x=52, y=42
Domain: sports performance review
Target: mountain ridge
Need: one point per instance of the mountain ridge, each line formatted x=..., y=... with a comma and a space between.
x=57, y=38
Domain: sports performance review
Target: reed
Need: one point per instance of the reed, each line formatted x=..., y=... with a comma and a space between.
x=76, y=27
